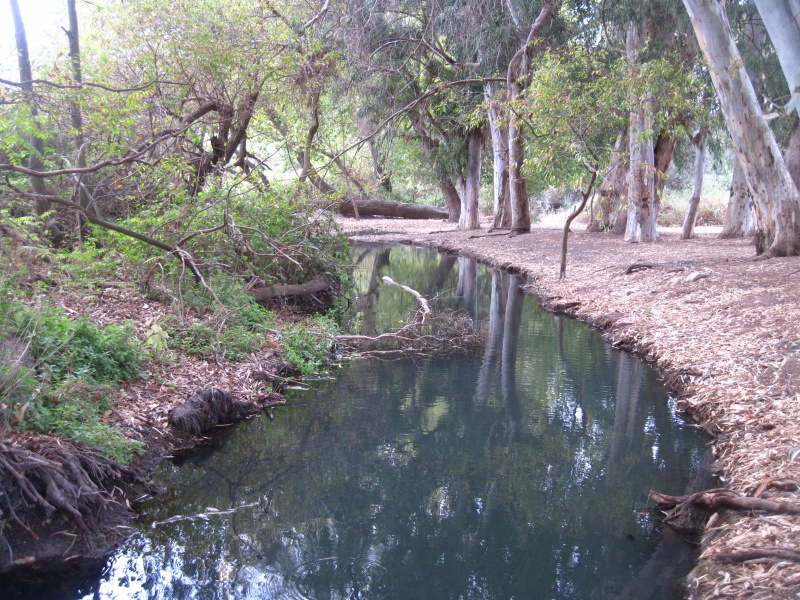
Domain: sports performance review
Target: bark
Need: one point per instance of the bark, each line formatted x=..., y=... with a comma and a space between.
x=792, y=155
x=469, y=218
x=451, y=200
x=499, y=133
x=739, y=214
x=777, y=200
x=402, y=210
x=267, y=294
x=517, y=79
x=75, y=110
x=780, y=19
x=578, y=210
x=642, y=208
x=701, y=150
x=613, y=191
x=26, y=83
x=663, y=153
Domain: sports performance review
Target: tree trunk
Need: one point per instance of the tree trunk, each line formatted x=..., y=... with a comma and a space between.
x=777, y=199
x=517, y=78
x=739, y=214
x=367, y=131
x=663, y=153
x=499, y=133
x=613, y=191
x=642, y=209
x=780, y=17
x=518, y=189
x=401, y=210
x=75, y=110
x=701, y=149
x=451, y=200
x=26, y=83
x=792, y=155
x=469, y=218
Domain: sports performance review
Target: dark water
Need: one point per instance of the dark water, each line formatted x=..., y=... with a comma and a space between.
x=522, y=472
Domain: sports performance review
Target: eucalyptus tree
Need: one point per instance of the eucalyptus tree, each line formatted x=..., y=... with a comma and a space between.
x=777, y=200
x=663, y=85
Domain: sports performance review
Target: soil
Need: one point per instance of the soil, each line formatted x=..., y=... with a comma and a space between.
x=723, y=331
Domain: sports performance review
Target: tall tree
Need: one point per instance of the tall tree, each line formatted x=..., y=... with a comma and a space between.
x=36, y=152
x=776, y=197
x=518, y=77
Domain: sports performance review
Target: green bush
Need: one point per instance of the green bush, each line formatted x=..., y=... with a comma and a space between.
x=73, y=409
x=80, y=349
x=308, y=344
x=242, y=323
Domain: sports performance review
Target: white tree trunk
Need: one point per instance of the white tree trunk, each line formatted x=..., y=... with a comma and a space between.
x=739, y=213
x=780, y=17
x=499, y=133
x=642, y=211
x=777, y=200
x=469, y=218
x=701, y=150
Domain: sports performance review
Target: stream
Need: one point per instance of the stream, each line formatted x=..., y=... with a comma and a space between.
x=520, y=472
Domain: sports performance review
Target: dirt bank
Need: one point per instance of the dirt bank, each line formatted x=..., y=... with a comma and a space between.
x=722, y=329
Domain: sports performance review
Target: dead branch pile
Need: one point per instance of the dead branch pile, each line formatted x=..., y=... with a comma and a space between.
x=54, y=475
x=439, y=334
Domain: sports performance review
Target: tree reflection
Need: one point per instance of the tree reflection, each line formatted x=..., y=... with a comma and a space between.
x=518, y=473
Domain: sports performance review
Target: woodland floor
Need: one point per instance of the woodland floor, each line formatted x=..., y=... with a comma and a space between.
x=722, y=329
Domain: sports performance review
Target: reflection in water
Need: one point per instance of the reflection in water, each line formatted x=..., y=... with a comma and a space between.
x=522, y=472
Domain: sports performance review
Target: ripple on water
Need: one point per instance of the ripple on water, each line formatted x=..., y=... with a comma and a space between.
x=329, y=579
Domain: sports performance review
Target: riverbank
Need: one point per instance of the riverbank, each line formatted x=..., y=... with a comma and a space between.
x=722, y=329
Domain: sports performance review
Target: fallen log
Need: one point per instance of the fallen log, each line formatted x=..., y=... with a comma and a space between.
x=370, y=207
x=285, y=290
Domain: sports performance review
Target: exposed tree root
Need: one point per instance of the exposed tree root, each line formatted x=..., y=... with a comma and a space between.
x=54, y=476
x=790, y=554
x=207, y=408
x=203, y=410
x=688, y=514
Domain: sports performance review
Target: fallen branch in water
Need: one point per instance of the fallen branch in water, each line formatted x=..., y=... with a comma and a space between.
x=440, y=334
x=422, y=302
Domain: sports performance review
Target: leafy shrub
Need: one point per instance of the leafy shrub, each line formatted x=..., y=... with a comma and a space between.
x=73, y=409
x=308, y=344
x=80, y=349
x=243, y=321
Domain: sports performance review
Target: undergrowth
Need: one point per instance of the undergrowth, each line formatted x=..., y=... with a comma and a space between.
x=307, y=344
x=57, y=374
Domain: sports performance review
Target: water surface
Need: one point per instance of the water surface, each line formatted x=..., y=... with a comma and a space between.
x=520, y=472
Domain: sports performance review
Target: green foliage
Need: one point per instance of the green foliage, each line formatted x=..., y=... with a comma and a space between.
x=73, y=409
x=66, y=349
x=234, y=330
x=308, y=344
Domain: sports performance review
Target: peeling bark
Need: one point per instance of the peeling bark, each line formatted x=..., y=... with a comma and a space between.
x=777, y=200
